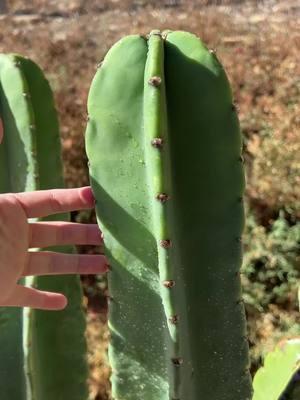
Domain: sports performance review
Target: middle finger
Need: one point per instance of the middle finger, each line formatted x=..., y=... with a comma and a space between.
x=45, y=234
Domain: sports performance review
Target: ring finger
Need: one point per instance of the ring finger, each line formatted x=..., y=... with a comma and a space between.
x=51, y=263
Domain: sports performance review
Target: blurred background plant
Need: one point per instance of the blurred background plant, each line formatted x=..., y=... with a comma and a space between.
x=271, y=268
x=258, y=43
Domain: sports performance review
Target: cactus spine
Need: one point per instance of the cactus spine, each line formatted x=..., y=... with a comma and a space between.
x=39, y=349
x=164, y=146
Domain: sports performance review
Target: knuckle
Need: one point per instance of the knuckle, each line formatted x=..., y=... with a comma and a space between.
x=77, y=264
x=8, y=202
x=60, y=234
x=87, y=233
x=55, y=203
x=52, y=261
x=11, y=209
x=63, y=233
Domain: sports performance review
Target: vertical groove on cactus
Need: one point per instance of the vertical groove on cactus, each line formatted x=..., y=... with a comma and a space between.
x=29, y=281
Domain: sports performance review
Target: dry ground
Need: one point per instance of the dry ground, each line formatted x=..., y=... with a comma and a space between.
x=259, y=45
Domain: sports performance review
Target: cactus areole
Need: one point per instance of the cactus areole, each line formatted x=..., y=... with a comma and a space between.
x=164, y=147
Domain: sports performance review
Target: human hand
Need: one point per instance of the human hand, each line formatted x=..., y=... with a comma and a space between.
x=17, y=235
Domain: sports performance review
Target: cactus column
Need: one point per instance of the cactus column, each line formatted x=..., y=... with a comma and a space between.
x=42, y=353
x=164, y=145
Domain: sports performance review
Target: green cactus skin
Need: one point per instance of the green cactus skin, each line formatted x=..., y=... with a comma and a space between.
x=271, y=381
x=164, y=145
x=44, y=351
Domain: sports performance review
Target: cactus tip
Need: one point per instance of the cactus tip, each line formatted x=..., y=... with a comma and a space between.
x=155, y=32
x=166, y=33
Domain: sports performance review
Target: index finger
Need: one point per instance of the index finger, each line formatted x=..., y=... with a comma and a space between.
x=46, y=202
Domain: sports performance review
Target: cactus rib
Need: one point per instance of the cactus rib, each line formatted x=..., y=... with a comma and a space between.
x=155, y=127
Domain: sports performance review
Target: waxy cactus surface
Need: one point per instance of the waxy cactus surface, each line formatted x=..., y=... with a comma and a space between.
x=42, y=353
x=164, y=147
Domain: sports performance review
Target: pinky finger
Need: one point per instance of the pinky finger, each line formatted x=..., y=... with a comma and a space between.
x=24, y=296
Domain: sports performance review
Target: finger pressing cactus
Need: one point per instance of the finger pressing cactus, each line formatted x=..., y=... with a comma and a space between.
x=164, y=145
x=42, y=353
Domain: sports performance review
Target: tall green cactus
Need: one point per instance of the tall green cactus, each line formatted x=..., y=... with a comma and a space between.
x=42, y=353
x=164, y=147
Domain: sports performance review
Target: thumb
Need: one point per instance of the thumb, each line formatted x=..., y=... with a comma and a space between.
x=24, y=296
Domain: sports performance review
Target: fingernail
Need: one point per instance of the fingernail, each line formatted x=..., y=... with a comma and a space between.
x=64, y=303
x=87, y=195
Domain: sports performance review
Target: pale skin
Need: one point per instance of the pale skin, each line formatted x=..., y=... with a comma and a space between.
x=18, y=236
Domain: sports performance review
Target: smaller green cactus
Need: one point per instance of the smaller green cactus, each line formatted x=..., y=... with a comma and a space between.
x=279, y=378
x=42, y=353
x=281, y=365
